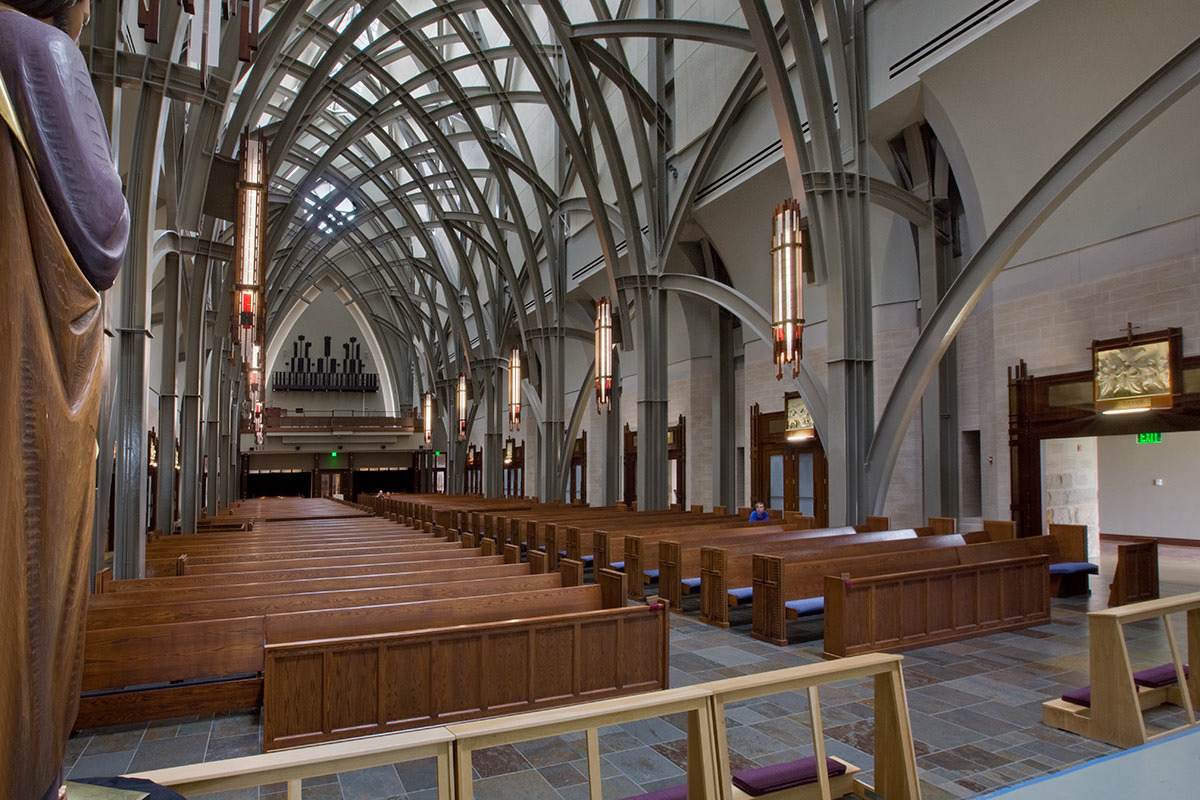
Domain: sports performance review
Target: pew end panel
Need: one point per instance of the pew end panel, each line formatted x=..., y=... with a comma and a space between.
x=571, y=571
x=537, y=561
x=1136, y=575
x=669, y=578
x=512, y=554
x=906, y=610
x=714, y=600
x=321, y=691
x=769, y=613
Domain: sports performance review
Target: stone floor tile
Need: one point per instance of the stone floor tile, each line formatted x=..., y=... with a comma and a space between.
x=525, y=785
x=654, y=730
x=562, y=775
x=644, y=765
x=172, y=752
x=545, y=752
x=247, y=744
x=102, y=766
x=325, y=791
x=251, y=793
x=236, y=725
x=492, y=761
x=417, y=775
x=373, y=783
x=615, y=741
x=115, y=742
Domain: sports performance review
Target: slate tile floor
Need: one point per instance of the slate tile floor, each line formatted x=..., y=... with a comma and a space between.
x=975, y=708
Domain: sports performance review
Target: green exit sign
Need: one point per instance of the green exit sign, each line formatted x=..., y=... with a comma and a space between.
x=1149, y=438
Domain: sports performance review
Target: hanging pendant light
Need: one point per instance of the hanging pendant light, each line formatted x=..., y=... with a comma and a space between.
x=787, y=290
x=604, y=345
x=514, y=390
x=428, y=413
x=462, y=406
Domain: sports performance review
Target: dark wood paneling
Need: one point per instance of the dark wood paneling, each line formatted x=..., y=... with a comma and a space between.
x=898, y=612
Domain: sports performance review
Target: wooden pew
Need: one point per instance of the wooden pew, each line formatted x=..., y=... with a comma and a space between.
x=608, y=547
x=921, y=608
x=637, y=548
x=1065, y=545
x=454, y=660
x=216, y=665
x=679, y=563
x=782, y=582
x=642, y=550
x=431, y=586
x=421, y=572
x=1135, y=578
x=429, y=551
x=398, y=563
x=1110, y=709
x=727, y=573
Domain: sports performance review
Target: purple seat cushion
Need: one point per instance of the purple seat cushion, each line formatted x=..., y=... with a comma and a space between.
x=761, y=780
x=1153, y=678
x=1074, y=568
x=673, y=793
x=744, y=594
x=807, y=606
x=1080, y=697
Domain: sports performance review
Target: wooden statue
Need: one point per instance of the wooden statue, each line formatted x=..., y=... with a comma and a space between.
x=63, y=231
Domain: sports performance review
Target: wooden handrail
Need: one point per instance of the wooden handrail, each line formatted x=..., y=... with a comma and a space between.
x=1115, y=714
x=708, y=773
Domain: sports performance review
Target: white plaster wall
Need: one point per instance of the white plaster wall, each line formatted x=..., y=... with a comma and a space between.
x=895, y=335
x=1132, y=504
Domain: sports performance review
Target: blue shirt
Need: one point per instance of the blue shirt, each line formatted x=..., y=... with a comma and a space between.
x=758, y=516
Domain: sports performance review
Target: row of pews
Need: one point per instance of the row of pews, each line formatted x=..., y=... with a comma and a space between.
x=339, y=623
x=877, y=588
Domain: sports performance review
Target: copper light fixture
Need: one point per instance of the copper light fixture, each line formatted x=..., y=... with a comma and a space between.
x=462, y=406
x=604, y=344
x=787, y=289
x=514, y=390
x=428, y=416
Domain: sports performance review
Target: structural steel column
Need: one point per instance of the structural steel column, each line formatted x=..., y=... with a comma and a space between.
x=493, y=437
x=168, y=405
x=130, y=401
x=652, y=474
x=611, y=453
x=218, y=383
x=724, y=412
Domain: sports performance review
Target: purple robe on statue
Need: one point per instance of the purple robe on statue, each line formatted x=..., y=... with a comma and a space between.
x=51, y=90
x=63, y=231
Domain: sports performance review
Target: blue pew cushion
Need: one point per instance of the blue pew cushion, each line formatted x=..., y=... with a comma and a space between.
x=1074, y=568
x=585, y=559
x=743, y=594
x=691, y=583
x=761, y=780
x=617, y=565
x=652, y=574
x=1155, y=677
x=673, y=793
x=1080, y=697
x=807, y=606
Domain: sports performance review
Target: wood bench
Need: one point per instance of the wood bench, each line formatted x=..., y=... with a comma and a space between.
x=921, y=608
x=679, y=560
x=727, y=572
x=608, y=546
x=792, y=584
x=635, y=551
x=216, y=665
x=343, y=578
x=1135, y=578
x=1064, y=545
x=398, y=563
x=1111, y=708
x=345, y=674
x=294, y=561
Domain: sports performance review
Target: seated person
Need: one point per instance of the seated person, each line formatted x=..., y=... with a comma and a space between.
x=759, y=513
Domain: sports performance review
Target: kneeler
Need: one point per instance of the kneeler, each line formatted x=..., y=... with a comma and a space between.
x=50, y=382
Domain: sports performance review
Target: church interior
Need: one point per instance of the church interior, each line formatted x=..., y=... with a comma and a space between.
x=533, y=293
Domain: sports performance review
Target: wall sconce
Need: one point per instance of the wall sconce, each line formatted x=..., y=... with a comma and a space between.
x=462, y=406
x=787, y=291
x=604, y=345
x=514, y=389
x=428, y=414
